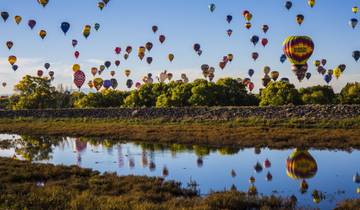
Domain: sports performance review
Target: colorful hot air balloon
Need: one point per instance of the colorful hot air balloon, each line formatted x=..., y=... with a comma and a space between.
x=32, y=24
x=298, y=50
x=212, y=7
x=94, y=71
x=117, y=50
x=98, y=83
x=9, y=44
x=5, y=16
x=327, y=78
x=76, y=67
x=128, y=49
x=355, y=10
x=43, y=2
x=255, y=56
x=337, y=72
x=107, y=84
x=65, y=26
x=311, y=3
x=79, y=78
x=42, y=34
x=86, y=31
x=127, y=72
x=18, y=19
x=40, y=73
x=229, y=32
x=264, y=42
x=112, y=73
x=275, y=75
x=101, y=5
x=248, y=25
x=76, y=54
x=117, y=63
x=12, y=59
x=251, y=86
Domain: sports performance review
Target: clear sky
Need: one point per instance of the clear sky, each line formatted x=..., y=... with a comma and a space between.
x=184, y=22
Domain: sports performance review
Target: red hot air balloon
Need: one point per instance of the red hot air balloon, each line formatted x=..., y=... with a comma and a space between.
x=77, y=54
x=264, y=42
x=162, y=39
x=79, y=79
x=117, y=50
x=40, y=73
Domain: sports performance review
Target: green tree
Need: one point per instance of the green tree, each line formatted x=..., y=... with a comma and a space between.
x=34, y=93
x=204, y=93
x=350, y=94
x=279, y=93
x=103, y=99
x=318, y=95
x=178, y=95
x=231, y=93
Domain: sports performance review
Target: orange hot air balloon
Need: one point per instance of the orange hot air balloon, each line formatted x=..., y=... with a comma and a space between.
x=300, y=19
x=87, y=31
x=12, y=59
x=127, y=72
x=17, y=19
x=42, y=34
x=43, y=2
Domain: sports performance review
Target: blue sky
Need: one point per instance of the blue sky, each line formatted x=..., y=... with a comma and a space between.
x=184, y=22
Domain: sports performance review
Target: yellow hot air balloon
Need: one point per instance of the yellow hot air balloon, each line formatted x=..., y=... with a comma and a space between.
x=230, y=57
x=355, y=9
x=266, y=70
x=101, y=5
x=171, y=57
x=127, y=72
x=42, y=34
x=76, y=67
x=311, y=3
x=17, y=19
x=87, y=31
x=12, y=59
x=248, y=17
x=317, y=63
x=337, y=72
x=141, y=55
x=301, y=165
x=98, y=83
x=141, y=49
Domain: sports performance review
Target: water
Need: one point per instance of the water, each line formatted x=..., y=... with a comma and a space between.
x=213, y=169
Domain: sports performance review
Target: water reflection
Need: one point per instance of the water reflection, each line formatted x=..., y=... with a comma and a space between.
x=309, y=176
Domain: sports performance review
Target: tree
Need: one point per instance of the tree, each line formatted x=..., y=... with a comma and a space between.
x=103, y=99
x=231, y=93
x=350, y=94
x=34, y=93
x=318, y=95
x=203, y=93
x=279, y=93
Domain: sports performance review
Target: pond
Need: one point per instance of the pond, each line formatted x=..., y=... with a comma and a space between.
x=318, y=178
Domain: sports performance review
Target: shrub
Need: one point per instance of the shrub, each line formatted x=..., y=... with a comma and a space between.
x=318, y=95
x=350, y=94
x=279, y=93
x=103, y=99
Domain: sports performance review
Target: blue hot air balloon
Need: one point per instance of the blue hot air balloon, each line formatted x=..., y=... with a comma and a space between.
x=65, y=26
x=283, y=58
x=251, y=72
x=107, y=84
x=327, y=78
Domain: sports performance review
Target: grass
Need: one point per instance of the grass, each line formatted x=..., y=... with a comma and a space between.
x=250, y=132
x=37, y=186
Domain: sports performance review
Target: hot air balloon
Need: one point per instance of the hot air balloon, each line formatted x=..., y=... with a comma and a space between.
x=149, y=46
x=117, y=63
x=251, y=72
x=112, y=73
x=43, y=2
x=222, y=65
x=308, y=75
x=76, y=67
x=171, y=57
x=265, y=28
x=323, y=62
x=274, y=75
x=51, y=74
x=79, y=79
x=42, y=34
x=9, y=44
x=12, y=59
x=98, y=83
x=266, y=70
x=197, y=47
x=127, y=72
x=4, y=84
x=149, y=60
x=74, y=43
x=327, y=78
x=288, y=5
x=251, y=86
x=128, y=49
x=212, y=7
x=255, y=56
x=356, y=55
x=162, y=39
x=15, y=67
x=300, y=19
x=301, y=165
x=107, y=64
x=18, y=19
x=5, y=16
x=97, y=26
x=248, y=25
x=230, y=57
x=47, y=66
x=317, y=63
x=40, y=73
x=353, y=22
x=129, y=83
x=114, y=83
x=65, y=26
x=264, y=42
x=155, y=29
x=337, y=72
x=254, y=39
x=101, y=5
x=229, y=32
x=298, y=50
x=32, y=24
x=248, y=17
x=76, y=54
x=355, y=10
x=86, y=31
x=266, y=80
x=283, y=58
x=342, y=67
x=91, y=84
x=311, y=3
x=94, y=71
x=229, y=18
x=117, y=50
x=126, y=56
x=107, y=84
